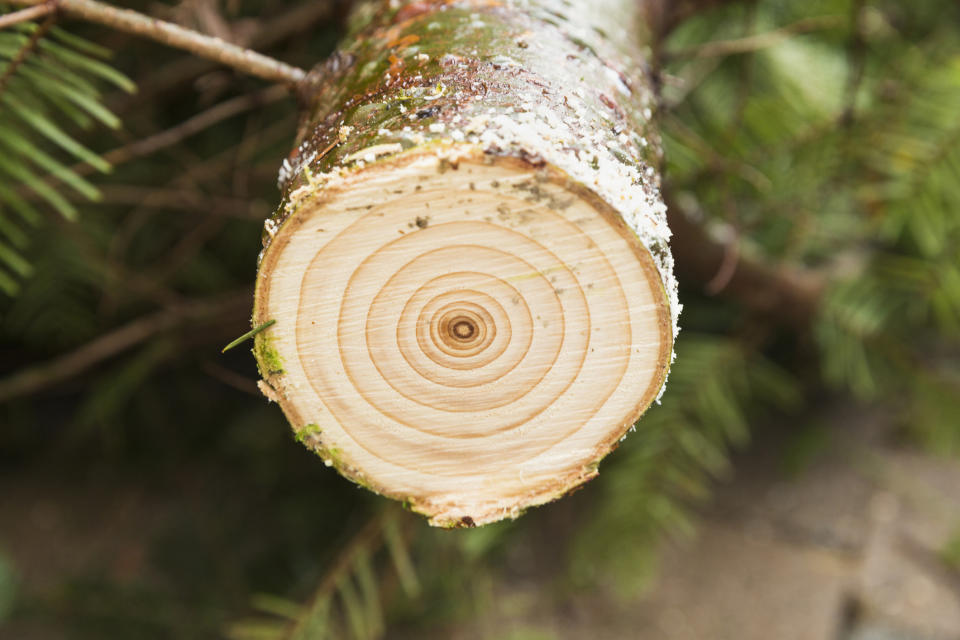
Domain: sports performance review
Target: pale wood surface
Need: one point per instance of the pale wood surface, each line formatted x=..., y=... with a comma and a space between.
x=471, y=338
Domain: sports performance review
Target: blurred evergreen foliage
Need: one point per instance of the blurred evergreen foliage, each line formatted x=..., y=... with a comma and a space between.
x=838, y=150
x=817, y=134
x=47, y=77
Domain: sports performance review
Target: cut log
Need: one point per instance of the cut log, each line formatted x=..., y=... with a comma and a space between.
x=469, y=276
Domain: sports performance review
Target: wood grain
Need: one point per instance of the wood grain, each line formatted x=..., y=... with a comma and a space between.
x=472, y=340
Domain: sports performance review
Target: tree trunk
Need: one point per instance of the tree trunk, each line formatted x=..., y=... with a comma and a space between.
x=469, y=272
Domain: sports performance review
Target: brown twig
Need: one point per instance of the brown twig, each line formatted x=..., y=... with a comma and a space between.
x=174, y=35
x=30, y=13
x=788, y=295
x=184, y=199
x=231, y=378
x=210, y=169
x=186, y=248
x=269, y=33
x=728, y=266
x=192, y=126
x=38, y=377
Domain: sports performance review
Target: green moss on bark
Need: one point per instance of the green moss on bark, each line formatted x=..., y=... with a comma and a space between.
x=269, y=361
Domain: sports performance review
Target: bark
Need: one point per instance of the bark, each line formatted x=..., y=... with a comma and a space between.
x=504, y=146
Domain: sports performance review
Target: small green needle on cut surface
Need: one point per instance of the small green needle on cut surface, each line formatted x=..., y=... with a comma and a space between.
x=248, y=335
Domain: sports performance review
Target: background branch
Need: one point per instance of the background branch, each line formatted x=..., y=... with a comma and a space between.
x=268, y=34
x=790, y=296
x=33, y=379
x=30, y=13
x=194, y=125
x=173, y=35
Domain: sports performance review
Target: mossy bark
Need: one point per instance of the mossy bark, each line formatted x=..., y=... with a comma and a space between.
x=419, y=73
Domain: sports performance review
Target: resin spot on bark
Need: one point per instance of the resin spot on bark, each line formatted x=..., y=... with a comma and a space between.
x=470, y=337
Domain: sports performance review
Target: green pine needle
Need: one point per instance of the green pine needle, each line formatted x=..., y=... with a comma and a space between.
x=49, y=86
x=248, y=335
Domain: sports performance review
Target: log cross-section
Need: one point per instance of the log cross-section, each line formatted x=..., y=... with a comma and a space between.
x=469, y=276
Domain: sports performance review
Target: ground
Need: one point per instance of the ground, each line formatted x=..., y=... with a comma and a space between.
x=845, y=541
x=840, y=533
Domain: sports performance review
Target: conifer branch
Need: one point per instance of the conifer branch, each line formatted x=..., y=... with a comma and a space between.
x=25, y=52
x=173, y=35
x=367, y=538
